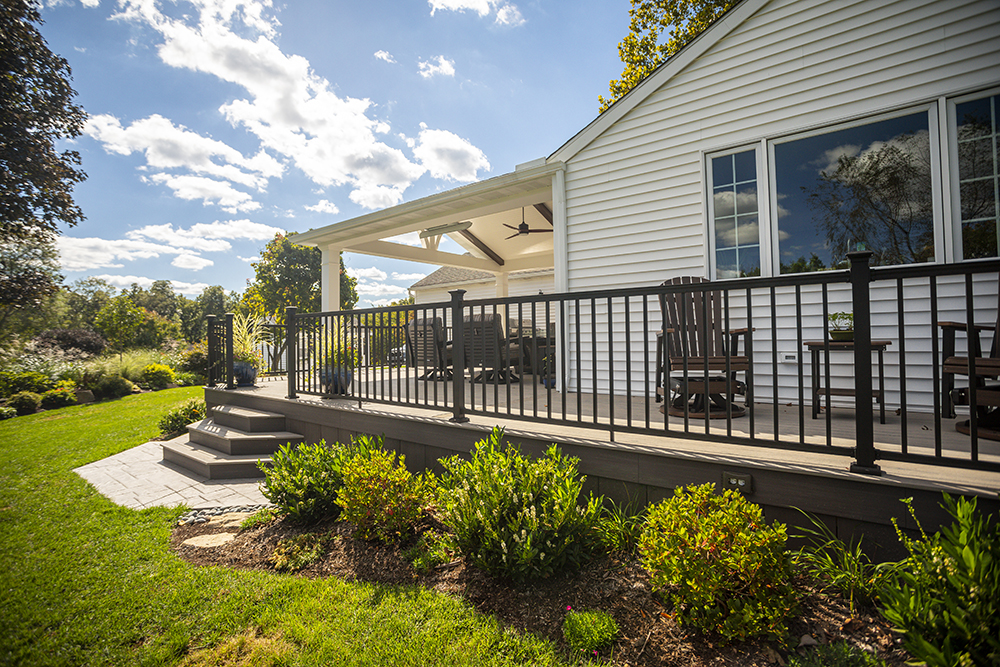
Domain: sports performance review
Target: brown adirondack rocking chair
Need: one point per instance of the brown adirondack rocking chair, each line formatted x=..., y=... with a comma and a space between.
x=428, y=349
x=697, y=360
x=982, y=371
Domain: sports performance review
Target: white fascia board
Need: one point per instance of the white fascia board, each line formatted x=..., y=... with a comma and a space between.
x=663, y=74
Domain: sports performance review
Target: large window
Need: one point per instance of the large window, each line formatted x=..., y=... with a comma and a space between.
x=866, y=186
x=978, y=184
x=735, y=215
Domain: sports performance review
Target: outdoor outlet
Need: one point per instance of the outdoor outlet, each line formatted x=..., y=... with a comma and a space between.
x=789, y=358
x=742, y=482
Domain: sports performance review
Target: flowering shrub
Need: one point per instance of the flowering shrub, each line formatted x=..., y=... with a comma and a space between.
x=380, y=496
x=60, y=397
x=717, y=561
x=515, y=516
x=589, y=630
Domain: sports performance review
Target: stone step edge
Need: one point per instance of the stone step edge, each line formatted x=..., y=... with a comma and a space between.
x=230, y=433
x=246, y=412
x=212, y=463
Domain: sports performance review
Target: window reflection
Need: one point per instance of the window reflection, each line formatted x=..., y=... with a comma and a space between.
x=977, y=175
x=867, y=186
x=735, y=215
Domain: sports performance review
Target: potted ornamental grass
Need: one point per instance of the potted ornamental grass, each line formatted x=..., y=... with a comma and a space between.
x=248, y=341
x=336, y=371
x=841, y=326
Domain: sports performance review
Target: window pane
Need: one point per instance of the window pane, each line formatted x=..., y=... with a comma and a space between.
x=722, y=170
x=977, y=173
x=735, y=214
x=868, y=185
x=725, y=232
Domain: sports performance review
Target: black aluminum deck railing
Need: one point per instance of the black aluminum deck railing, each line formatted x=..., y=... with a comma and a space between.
x=600, y=359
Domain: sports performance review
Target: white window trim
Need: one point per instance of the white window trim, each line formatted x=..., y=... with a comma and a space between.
x=709, y=202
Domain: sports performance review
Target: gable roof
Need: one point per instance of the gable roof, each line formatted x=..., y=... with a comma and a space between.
x=454, y=275
x=691, y=51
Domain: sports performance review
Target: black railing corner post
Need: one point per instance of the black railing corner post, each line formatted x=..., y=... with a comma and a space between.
x=458, y=356
x=864, y=450
x=230, y=373
x=290, y=351
x=213, y=357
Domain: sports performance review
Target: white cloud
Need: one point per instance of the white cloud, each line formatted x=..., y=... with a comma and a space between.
x=206, y=236
x=293, y=111
x=408, y=276
x=208, y=191
x=444, y=67
x=371, y=273
x=324, y=206
x=385, y=55
x=448, y=156
x=248, y=260
x=409, y=238
x=189, y=289
x=82, y=254
x=366, y=288
x=506, y=14
x=192, y=262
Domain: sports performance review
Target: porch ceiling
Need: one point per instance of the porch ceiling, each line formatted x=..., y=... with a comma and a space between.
x=488, y=205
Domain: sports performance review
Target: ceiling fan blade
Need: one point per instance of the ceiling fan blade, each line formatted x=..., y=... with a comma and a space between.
x=512, y=236
x=539, y=230
x=509, y=226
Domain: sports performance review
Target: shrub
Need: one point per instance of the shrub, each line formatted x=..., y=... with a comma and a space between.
x=176, y=419
x=945, y=596
x=261, y=517
x=7, y=413
x=112, y=386
x=60, y=397
x=837, y=654
x=380, y=496
x=156, y=376
x=433, y=548
x=295, y=553
x=720, y=565
x=25, y=402
x=84, y=340
x=515, y=516
x=15, y=382
x=303, y=481
x=842, y=567
x=589, y=630
x=195, y=360
x=185, y=379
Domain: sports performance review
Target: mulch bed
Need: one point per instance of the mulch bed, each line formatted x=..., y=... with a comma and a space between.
x=649, y=635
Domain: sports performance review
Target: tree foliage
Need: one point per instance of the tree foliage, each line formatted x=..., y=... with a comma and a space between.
x=36, y=110
x=119, y=321
x=289, y=275
x=29, y=272
x=644, y=49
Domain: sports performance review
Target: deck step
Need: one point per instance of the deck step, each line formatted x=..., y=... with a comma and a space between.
x=235, y=441
x=248, y=420
x=212, y=463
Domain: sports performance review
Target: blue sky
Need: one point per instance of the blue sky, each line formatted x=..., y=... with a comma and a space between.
x=214, y=124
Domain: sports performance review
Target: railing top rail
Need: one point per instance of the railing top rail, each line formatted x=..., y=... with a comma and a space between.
x=936, y=270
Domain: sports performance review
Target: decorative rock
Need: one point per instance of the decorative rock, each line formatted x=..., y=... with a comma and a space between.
x=208, y=541
x=84, y=396
x=205, y=514
x=807, y=640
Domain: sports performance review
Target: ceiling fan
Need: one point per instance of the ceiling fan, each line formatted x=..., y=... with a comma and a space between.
x=522, y=229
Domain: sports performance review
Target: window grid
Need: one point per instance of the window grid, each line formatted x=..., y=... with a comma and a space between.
x=981, y=183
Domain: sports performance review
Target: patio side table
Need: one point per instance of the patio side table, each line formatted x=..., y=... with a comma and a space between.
x=817, y=346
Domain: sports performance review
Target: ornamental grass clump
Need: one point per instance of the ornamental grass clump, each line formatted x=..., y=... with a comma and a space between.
x=945, y=597
x=380, y=496
x=589, y=631
x=516, y=516
x=721, y=566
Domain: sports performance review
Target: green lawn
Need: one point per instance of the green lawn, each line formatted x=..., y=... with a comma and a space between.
x=86, y=582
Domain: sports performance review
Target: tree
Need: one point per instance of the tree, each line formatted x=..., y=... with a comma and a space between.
x=642, y=50
x=85, y=298
x=159, y=298
x=29, y=272
x=119, y=321
x=289, y=275
x=36, y=110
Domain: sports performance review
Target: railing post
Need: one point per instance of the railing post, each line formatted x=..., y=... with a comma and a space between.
x=230, y=374
x=290, y=352
x=458, y=357
x=213, y=358
x=864, y=450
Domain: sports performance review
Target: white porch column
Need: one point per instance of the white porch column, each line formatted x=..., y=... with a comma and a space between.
x=330, y=280
x=502, y=286
x=560, y=252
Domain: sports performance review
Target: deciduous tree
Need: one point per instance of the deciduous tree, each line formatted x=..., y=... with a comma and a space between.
x=29, y=272
x=644, y=48
x=36, y=110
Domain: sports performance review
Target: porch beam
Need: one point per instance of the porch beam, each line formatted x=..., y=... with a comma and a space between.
x=545, y=212
x=476, y=241
x=412, y=254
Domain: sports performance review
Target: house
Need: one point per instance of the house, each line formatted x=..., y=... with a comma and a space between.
x=435, y=287
x=714, y=165
x=785, y=135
